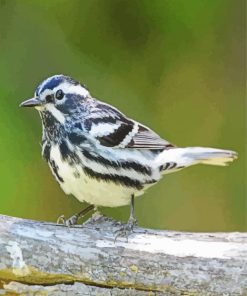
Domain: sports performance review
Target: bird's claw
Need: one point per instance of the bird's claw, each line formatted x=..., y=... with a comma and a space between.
x=67, y=222
x=126, y=229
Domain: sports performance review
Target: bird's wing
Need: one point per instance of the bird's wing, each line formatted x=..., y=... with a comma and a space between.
x=112, y=129
x=146, y=138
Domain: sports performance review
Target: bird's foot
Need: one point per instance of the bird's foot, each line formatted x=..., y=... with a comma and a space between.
x=126, y=229
x=74, y=219
x=68, y=222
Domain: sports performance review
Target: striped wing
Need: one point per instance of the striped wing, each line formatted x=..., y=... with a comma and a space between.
x=147, y=139
x=112, y=129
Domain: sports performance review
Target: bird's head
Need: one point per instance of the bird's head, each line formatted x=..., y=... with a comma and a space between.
x=58, y=95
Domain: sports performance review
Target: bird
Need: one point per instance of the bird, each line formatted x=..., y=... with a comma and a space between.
x=101, y=156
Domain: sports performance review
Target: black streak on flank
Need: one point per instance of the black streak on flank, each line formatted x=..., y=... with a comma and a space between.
x=67, y=154
x=54, y=168
x=64, y=150
x=120, y=164
x=137, y=167
x=118, y=180
x=46, y=152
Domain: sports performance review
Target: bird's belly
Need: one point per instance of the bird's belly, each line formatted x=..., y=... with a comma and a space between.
x=73, y=180
x=97, y=192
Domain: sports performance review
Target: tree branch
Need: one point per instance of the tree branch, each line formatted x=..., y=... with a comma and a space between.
x=85, y=260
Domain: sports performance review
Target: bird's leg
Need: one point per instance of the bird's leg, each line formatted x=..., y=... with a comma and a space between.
x=74, y=219
x=132, y=221
x=127, y=229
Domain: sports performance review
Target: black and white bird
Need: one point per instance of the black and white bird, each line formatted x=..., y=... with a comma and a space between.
x=101, y=156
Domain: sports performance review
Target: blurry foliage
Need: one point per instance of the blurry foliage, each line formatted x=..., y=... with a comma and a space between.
x=175, y=65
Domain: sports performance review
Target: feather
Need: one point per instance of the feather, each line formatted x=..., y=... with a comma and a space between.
x=145, y=138
x=115, y=130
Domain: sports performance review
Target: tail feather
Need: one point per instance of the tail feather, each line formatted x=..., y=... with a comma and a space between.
x=211, y=156
x=184, y=157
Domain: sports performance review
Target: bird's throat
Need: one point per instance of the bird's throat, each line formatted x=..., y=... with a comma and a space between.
x=52, y=127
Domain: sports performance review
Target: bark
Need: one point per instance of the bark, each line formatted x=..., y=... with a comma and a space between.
x=39, y=258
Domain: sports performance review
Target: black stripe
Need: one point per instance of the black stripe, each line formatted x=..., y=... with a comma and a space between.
x=117, y=136
x=137, y=167
x=169, y=166
x=166, y=166
x=54, y=168
x=76, y=139
x=120, y=164
x=78, y=125
x=71, y=103
x=55, y=81
x=53, y=129
x=119, y=180
x=64, y=150
x=52, y=83
x=46, y=151
x=151, y=181
x=67, y=154
x=49, y=120
x=173, y=166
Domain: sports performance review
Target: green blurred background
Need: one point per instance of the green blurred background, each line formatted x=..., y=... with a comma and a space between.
x=177, y=66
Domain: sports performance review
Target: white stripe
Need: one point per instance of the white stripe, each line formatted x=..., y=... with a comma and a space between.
x=55, y=112
x=71, y=88
x=46, y=81
x=103, y=129
x=130, y=136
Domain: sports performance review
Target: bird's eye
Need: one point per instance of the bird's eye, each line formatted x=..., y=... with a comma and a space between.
x=59, y=94
x=48, y=99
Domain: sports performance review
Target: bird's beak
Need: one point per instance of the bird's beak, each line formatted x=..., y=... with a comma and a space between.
x=34, y=102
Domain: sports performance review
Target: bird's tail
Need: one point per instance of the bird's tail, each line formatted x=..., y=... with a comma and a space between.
x=178, y=158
